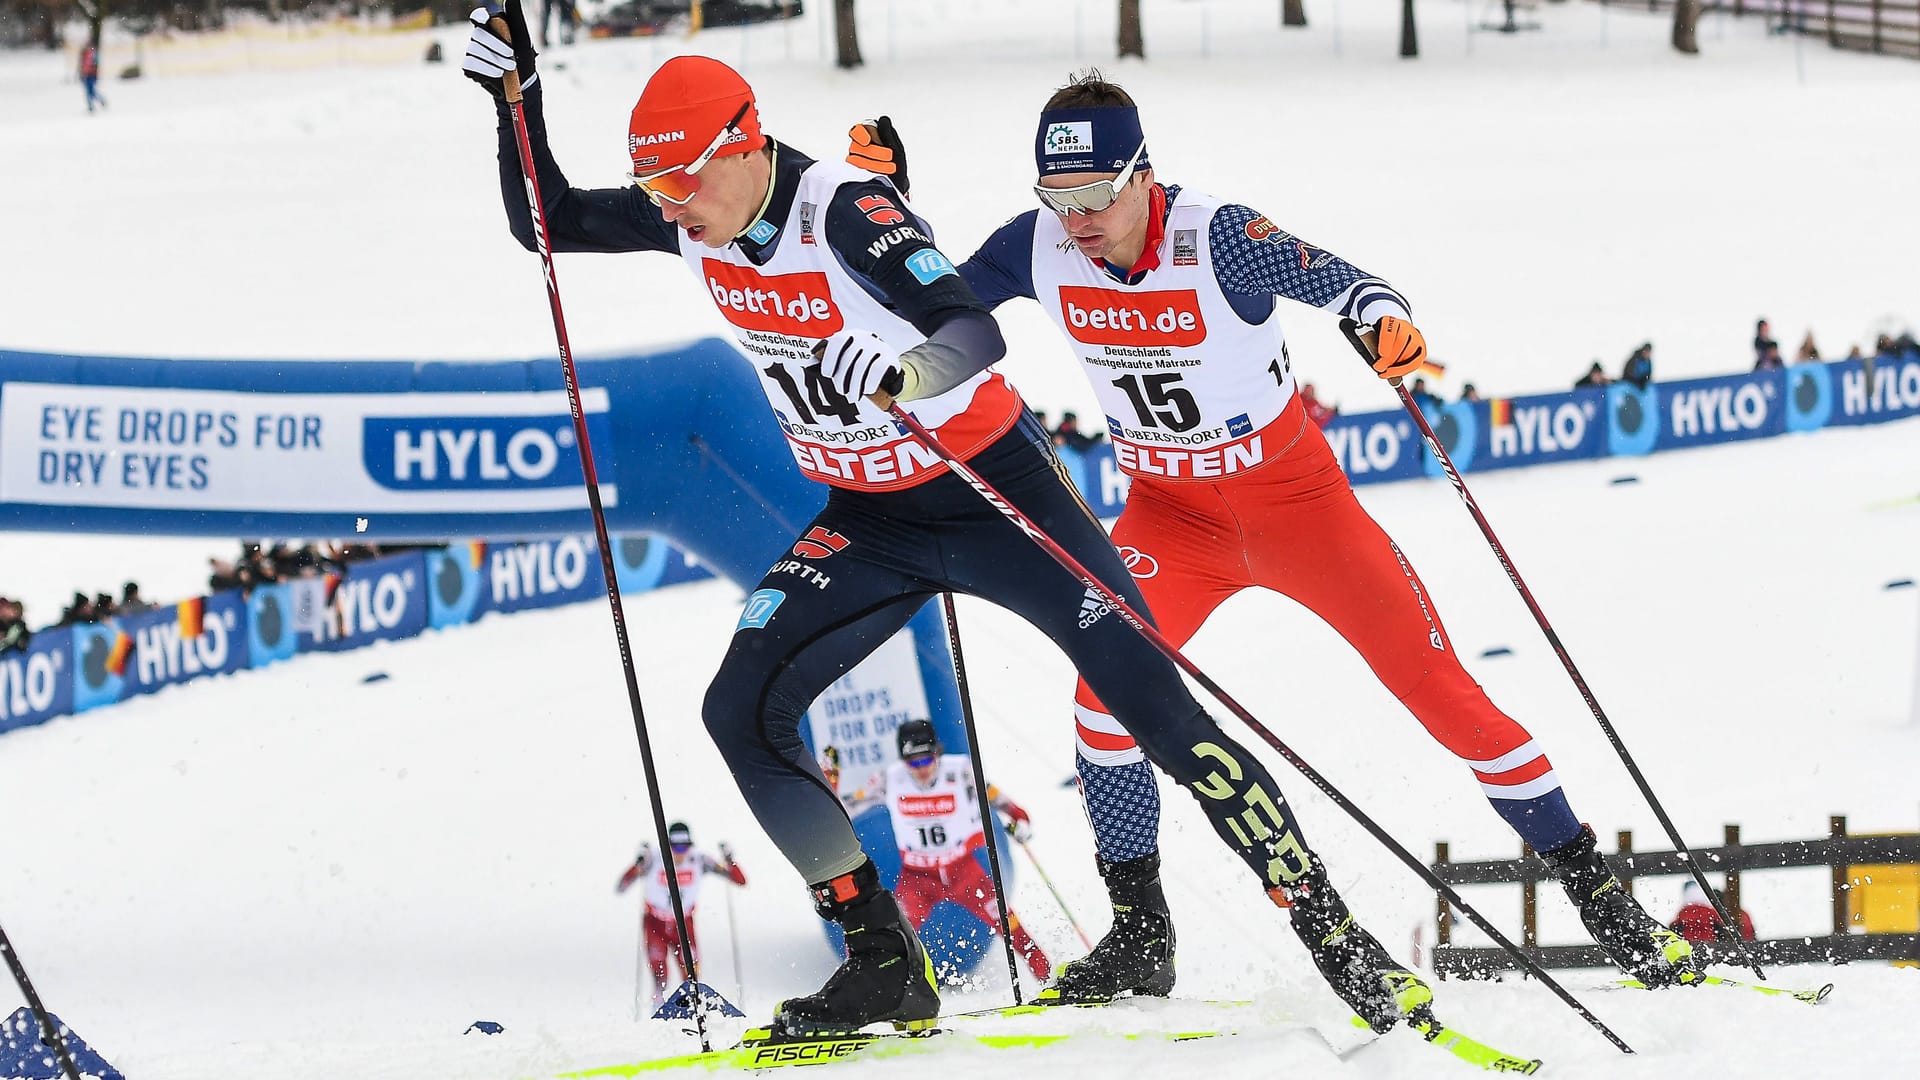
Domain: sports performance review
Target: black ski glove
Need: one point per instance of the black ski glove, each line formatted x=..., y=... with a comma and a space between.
x=489, y=58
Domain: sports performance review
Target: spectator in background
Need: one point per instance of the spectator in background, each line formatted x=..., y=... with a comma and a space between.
x=79, y=611
x=1695, y=920
x=1595, y=378
x=103, y=606
x=1769, y=359
x=131, y=602
x=567, y=18
x=90, y=74
x=1425, y=398
x=1762, y=341
x=1069, y=435
x=1855, y=353
x=1808, y=350
x=14, y=633
x=1470, y=393
x=1638, y=369
x=1317, y=411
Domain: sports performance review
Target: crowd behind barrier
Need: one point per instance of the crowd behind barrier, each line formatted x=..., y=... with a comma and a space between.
x=89, y=665
x=334, y=603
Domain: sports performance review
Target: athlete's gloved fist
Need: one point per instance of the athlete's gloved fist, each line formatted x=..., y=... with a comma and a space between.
x=860, y=365
x=1399, y=349
x=489, y=59
x=873, y=145
x=1018, y=823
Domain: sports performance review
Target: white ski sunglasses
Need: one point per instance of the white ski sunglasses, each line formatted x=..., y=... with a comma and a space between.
x=681, y=183
x=1089, y=198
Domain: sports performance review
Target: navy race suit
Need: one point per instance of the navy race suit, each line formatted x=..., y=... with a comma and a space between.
x=834, y=248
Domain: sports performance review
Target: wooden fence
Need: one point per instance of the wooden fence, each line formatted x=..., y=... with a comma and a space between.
x=1891, y=27
x=1838, y=851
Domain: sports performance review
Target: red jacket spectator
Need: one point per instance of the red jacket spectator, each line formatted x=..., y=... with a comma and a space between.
x=1317, y=411
x=1696, y=920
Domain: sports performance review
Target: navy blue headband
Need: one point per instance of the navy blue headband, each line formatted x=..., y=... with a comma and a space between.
x=1099, y=140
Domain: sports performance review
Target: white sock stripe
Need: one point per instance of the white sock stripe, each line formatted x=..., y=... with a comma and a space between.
x=1512, y=759
x=1531, y=789
x=1128, y=756
x=1095, y=720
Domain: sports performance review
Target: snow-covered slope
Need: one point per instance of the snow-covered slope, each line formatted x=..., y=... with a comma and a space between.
x=292, y=873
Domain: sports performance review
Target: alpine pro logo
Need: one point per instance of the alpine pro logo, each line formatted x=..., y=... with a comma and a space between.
x=1140, y=564
x=476, y=453
x=797, y=304
x=1167, y=317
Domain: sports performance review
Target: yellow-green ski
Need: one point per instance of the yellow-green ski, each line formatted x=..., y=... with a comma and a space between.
x=754, y=1053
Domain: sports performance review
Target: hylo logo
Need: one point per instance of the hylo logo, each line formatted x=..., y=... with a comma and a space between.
x=27, y=684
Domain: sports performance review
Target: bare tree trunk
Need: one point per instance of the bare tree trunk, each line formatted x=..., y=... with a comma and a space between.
x=1293, y=13
x=1133, y=41
x=1686, y=16
x=846, y=37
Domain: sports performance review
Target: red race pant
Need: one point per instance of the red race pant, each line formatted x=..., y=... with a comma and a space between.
x=664, y=941
x=1293, y=525
x=965, y=883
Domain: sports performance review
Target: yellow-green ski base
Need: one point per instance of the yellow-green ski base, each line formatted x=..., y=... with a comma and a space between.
x=867, y=1046
x=1472, y=1051
x=1811, y=997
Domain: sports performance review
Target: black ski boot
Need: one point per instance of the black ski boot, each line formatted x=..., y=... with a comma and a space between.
x=887, y=976
x=1136, y=956
x=1637, y=942
x=1352, y=960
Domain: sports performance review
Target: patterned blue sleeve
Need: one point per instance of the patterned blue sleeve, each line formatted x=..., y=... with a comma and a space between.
x=1003, y=267
x=1254, y=257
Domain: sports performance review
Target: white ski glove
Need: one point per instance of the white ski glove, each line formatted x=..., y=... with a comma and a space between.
x=859, y=364
x=489, y=58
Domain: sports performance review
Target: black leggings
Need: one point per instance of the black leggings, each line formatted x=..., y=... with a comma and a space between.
x=869, y=561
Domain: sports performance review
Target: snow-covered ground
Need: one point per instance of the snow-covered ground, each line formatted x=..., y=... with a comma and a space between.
x=294, y=874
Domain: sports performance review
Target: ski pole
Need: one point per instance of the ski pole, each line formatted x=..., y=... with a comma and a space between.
x=1057, y=898
x=733, y=942
x=1356, y=335
x=1167, y=648
x=517, y=107
x=980, y=793
x=49, y=1033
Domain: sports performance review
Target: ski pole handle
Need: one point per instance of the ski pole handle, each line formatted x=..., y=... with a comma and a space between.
x=510, y=82
x=1362, y=337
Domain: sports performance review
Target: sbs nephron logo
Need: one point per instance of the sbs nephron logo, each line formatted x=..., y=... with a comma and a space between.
x=1168, y=317
x=796, y=304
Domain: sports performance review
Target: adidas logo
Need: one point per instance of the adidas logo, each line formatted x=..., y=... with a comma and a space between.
x=1092, y=608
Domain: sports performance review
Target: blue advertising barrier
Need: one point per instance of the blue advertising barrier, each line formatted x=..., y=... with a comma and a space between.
x=271, y=636
x=169, y=645
x=1633, y=419
x=1538, y=429
x=1809, y=396
x=377, y=600
x=1376, y=447
x=36, y=684
x=1887, y=387
x=1702, y=412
